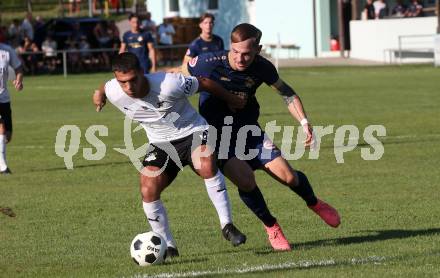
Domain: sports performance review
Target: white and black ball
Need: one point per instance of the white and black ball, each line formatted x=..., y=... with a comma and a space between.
x=148, y=249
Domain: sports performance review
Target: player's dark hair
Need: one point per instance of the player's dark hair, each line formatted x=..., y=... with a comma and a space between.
x=130, y=16
x=125, y=62
x=207, y=15
x=245, y=31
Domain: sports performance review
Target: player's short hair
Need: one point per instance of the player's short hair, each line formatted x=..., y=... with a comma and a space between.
x=130, y=16
x=125, y=62
x=245, y=31
x=207, y=15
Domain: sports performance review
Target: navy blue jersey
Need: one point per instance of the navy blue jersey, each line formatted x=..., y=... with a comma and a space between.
x=216, y=66
x=199, y=46
x=137, y=44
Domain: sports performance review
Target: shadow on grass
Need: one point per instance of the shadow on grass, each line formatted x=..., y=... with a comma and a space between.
x=178, y=261
x=80, y=166
x=379, y=235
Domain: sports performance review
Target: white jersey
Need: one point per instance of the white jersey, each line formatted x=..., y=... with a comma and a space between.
x=8, y=57
x=165, y=113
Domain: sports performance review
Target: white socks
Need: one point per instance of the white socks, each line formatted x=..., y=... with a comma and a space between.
x=158, y=219
x=3, y=165
x=218, y=194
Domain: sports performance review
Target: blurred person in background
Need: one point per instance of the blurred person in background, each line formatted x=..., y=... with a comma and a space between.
x=207, y=41
x=139, y=43
x=415, y=9
x=8, y=57
x=368, y=12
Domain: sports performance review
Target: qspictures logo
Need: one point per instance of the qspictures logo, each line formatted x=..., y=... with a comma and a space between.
x=346, y=138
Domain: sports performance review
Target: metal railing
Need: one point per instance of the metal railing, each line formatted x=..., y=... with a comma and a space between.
x=64, y=53
x=415, y=45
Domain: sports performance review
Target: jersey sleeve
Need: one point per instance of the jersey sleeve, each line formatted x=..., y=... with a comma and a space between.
x=179, y=86
x=221, y=43
x=14, y=60
x=125, y=38
x=269, y=73
x=148, y=38
x=192, y=50
x=200, y=66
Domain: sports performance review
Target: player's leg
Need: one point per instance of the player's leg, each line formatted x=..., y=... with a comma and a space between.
x=242, y=175
x=298, y=182
x=206, y=168
x=5, y=135
x=152, y=184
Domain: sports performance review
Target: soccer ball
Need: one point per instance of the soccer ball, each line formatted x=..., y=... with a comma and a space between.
x=148, y=249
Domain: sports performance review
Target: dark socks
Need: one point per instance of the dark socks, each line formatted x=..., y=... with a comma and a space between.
x=254, y=200
x=304, y=189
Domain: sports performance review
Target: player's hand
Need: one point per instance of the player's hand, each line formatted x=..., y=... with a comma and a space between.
x=17, y=84
x=99, y=100
x=308, y=130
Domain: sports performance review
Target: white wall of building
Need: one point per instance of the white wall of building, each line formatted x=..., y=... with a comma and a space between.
x=370, y=39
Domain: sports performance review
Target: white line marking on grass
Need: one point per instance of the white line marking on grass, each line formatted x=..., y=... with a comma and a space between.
x=267, y=267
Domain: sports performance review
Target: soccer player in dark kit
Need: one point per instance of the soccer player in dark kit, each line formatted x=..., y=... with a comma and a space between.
x=241, y=70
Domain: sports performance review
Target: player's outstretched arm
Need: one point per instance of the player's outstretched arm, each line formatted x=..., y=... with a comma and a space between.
x=295, y=107
x=152, y=54
x=99, y=99
x=18, y=81
x=212, y=87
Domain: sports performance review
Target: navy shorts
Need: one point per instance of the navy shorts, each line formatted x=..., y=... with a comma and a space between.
x=6, y=115
x=256, y=150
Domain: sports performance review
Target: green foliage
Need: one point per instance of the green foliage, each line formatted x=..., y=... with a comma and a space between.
x=80, y=223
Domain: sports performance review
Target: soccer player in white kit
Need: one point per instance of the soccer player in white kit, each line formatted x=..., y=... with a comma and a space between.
x=8, y=57
x=177, y=135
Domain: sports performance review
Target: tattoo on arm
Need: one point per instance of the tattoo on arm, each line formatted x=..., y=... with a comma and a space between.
x=286, y=92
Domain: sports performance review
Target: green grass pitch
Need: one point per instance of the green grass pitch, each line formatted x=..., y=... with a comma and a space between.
x=79, y=223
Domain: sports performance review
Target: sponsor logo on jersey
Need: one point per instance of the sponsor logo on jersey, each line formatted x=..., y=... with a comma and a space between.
x=193, y=61
x=224, y=78
x=188, y=86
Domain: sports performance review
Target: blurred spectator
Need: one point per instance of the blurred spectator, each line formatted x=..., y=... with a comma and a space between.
x=148, y=25
x=74, y=6
x=76, y=32
x=368, y=12
x=85, y=54
x=103, y=36
x=140, y=43
x=415, y=9
x=39, y=22
x=114, y=34
x=73, y=56
x=380, y=9
x=15, y=33
x=27, y=26
x=166, y=32
x=49, y=48
x=28, y=55
x=399, y=10
x=207, y=41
